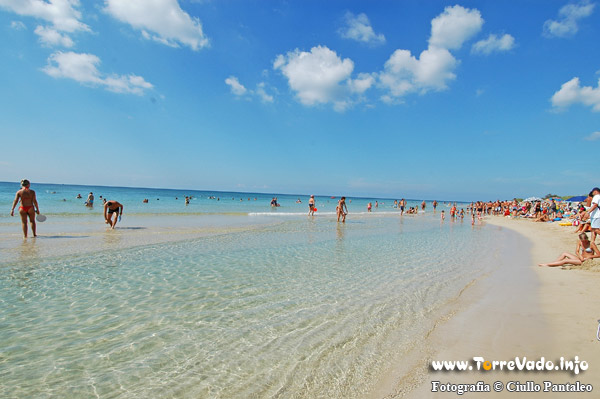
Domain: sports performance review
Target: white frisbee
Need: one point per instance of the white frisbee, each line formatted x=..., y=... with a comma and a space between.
x=40, y=218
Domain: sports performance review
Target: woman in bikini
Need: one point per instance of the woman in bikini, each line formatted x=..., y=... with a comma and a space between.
x=342, y=210
x=28, y=208
x=112, y=208
x=585, y=250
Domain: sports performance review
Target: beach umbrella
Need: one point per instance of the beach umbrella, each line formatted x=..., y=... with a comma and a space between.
x=577, y=198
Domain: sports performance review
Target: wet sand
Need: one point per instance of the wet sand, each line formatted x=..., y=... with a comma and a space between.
x=63, y=236
x=521, y=310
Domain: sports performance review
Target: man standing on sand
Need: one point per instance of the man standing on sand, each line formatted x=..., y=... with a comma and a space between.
x=112, y=208
x=29, y=207
x=594, y=213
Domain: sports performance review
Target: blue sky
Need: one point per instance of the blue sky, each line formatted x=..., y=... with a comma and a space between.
x=417, y=99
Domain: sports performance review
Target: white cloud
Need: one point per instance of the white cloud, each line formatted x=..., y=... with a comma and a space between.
x=493, y=44
x=262, y=94
x=240, y=90
x=572, y=93
x=362, y=83
x=593, y=137
x=82, y=68
x=319, y=76
x=52, y=37
x=161, y=20
x=62, y=14
x=358, y=27
x=236, y=87
x=454, y=26
x=404, y=73
x=18, y=25
x=569, y=16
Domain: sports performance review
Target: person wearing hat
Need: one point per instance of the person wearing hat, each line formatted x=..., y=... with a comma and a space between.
x=594, y=213
x=29, y=206
x=311, y=206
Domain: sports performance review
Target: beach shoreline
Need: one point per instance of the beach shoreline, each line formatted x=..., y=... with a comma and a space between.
x=551, y=314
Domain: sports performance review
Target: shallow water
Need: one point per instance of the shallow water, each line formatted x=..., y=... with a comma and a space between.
x=299, y=308
x=60, y=200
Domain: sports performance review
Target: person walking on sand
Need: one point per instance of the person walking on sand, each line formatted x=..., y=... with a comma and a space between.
x=112, y=208
x=585, y=250
x=311, y=206
x=342, y=209
x=28, y=208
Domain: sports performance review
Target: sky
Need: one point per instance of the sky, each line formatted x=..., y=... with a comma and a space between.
x=456, y=100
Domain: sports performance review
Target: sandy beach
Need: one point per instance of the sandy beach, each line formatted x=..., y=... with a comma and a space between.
x=527, y=311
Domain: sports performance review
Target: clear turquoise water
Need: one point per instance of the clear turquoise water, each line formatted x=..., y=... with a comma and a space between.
x=60, y=200
x=302, y=308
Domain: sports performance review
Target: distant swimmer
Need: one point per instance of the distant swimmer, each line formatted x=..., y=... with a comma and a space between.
x=342, y=209
x=112, y=208
x=423, y=205
x=90, y=200
x=369, y=207
x=28, y=208
x=376, y=204
x=79, y=196
x=311, y=206
x=434, y=205
x=274, y=202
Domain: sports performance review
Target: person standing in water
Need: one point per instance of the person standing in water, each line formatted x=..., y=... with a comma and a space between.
x=90, y=200
x=311, y=206
x=342, y=210
x=423, y=205
x=28, y=208
x=112, y=208
x=434, y=205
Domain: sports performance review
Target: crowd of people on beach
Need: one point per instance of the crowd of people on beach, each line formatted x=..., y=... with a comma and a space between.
x=583, y=215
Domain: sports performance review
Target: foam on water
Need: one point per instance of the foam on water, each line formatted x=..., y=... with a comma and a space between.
x=302, y=308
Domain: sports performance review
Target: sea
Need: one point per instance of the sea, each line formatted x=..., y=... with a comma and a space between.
x=271, y=304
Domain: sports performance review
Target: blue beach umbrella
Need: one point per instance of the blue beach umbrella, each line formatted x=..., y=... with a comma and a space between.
x=577, y=198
